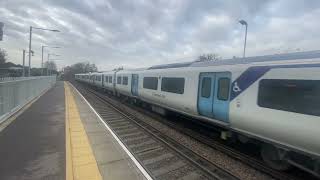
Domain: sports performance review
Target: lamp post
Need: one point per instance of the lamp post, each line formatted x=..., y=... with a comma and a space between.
x=23, y=61
x=1, y=30
x=42, y=49
x=30, y=39
x=243, y=22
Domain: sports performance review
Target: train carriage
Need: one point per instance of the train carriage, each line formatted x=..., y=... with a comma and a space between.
x=268, y=98
x=97, y=79
x=273, y=100
x=108, y=80
x=123, y=83
x=127, y=82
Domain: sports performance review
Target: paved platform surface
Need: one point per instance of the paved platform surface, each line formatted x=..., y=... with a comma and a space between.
x=60, y=137
x=112, y=160
x=33, y=145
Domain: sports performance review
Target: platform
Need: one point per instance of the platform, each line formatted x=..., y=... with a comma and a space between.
x=61, y=137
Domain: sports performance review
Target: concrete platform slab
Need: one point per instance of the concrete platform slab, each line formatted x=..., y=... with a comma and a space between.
x=37, y=144
x=113, y=161
x=33, y=145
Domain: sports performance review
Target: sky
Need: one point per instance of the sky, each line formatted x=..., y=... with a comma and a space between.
x=142, y=33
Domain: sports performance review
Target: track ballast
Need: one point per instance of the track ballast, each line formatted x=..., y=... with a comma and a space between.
x=161, y=156
x=209, y=170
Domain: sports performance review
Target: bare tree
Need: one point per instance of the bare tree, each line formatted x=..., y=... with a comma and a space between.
x=209, y=57
x=3, y=56
x=90, y=68
x=84, y=67
x=118, y=69
x=51, y=65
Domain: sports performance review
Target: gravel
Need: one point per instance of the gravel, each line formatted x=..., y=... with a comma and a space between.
x=235, y=167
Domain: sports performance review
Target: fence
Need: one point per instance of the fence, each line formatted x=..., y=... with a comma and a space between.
x=15, y=93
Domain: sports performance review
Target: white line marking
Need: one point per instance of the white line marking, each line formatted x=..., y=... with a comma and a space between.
x=136, y=162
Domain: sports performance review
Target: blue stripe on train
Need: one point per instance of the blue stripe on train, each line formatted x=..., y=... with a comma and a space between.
x=252, y=74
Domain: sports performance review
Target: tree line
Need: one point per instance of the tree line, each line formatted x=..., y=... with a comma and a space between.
x=15, y=70
x=83, y=67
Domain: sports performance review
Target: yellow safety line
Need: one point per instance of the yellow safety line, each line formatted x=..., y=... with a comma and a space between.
x=80, y=161
x=69, y=173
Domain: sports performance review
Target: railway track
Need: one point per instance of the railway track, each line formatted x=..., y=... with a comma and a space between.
x=199, y=136
x=216, y=143
x=161, y=156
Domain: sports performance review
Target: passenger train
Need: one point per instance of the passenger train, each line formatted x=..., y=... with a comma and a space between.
x=271, y=100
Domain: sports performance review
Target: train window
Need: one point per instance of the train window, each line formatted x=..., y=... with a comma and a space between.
x=125, y=80
x=206, y=87
x=300, y=96
x=173, y=85
x=119, y=80
x=110, y=79
x=150, y=83
x=223, y=89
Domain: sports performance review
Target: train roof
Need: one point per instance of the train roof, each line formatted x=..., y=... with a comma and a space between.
x=247, y=60
x=173, y=65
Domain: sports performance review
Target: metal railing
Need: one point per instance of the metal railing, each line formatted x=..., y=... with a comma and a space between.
x=17, y=92
x=4, y=79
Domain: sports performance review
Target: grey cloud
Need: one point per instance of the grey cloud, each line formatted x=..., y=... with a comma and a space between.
x=118, y=32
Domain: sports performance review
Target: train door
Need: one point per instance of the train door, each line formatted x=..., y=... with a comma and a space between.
x=134, y=84
x=114, y=82
x=222, y=93
x=205, y=94
x=214, y=92
x=103, y=80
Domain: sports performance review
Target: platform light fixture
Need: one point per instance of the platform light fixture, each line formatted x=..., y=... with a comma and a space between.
x=244, y=23
x=30, y=39
x=42, y=49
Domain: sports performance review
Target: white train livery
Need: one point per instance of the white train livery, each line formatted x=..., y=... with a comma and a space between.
x=273, y=100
